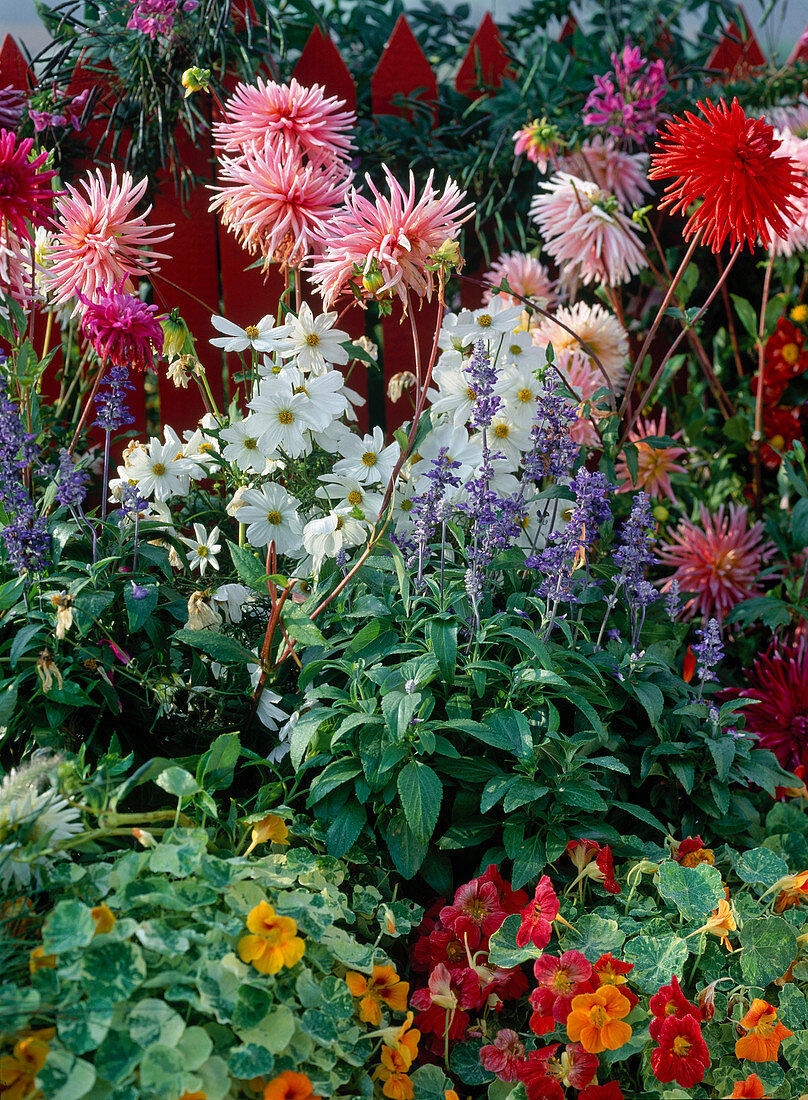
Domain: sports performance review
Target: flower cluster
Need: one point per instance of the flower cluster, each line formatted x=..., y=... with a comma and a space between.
x=626, y=101
x=784, y=359
x=25, y=534
x=157, y=17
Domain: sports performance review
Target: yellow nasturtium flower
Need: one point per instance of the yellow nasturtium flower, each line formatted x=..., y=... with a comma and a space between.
x=274, y=942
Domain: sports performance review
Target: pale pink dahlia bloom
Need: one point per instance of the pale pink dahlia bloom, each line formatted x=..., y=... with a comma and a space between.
x=15, y=269
x=101, y=242
x=598, y=329
x=303, y=120
x=525, y=275
x=797, y=227
x=586, y=233
x=577, y=370
x=719, y=562
x=654, y=464
x=392, y=237
x=622, y=174
x=276, y=205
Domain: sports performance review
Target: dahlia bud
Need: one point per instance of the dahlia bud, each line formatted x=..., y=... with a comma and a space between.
x=373, y=282
x=176, y=337
x=196, y=80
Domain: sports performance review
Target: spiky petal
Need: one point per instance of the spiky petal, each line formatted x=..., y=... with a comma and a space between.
x=778, y=682
x=25, y=192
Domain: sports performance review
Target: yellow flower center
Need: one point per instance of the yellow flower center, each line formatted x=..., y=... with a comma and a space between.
x=369, y=458
x=274, y=518
x=301, y=389
x=476, y=909
x=202, y=551
x=485, y=320
x=158, y=468
x=598, y=1016
x=285, y=417
x=514, y=349
x=250, y=444
x=502, y=431
x=525, y=395
x=340, y=523
x=790, y=353
x=251, y=331
x=406, y=505
x=562, y=981
x=354, y=497
x=312, y=339
x=470, y=394
x=681, y=1046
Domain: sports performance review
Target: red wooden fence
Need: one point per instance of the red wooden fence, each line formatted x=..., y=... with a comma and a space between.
x=208, y=270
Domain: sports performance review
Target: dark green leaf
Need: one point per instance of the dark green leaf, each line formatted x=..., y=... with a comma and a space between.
x=421, y=794
x=225, y=650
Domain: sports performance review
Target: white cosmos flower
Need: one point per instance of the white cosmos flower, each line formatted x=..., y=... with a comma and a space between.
x=347, y=490
x=282, y=418
x=325, y=397
x=489, y=322
x=367, y=459
x=325, y=536
x=454, y=397
x=261, y=337
x=242, y=445
x=203, y=548
x=230, y=600
x=335, y=438
x=519, y=390
x=519, y=350
x=268, y=713
x=160, y=470
x=402, y=517
x=271, y=515
x=313, y=341
x=506, y=438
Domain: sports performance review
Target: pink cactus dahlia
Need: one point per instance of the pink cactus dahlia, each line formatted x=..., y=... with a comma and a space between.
x=779, y=685
x=718, y=562
x=525, y=275
x=304, y=121
x=382, y=247
x=122, y=329
x=25, y=192
x=101, y=241
x=278, y=206
x=621, y=173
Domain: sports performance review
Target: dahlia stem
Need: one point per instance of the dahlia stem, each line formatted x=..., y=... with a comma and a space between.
x=688, y=326
x=757, y=434
x=658, y=321
x=733, y=333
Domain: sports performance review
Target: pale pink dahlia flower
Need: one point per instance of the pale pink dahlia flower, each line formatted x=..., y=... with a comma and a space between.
x=390, y=238
x=586, y=233
x=584, y=379
x=654, y=464
x=122, y=329
x=598, y=329
x=101, y=242
x=15, y=270
x=525, y=275
x=622, y=174
x=718, y=562
x=303, y=120
x=276, y=205
x=796, y=228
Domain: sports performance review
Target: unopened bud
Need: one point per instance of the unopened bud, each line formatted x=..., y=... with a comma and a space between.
x=195, y=80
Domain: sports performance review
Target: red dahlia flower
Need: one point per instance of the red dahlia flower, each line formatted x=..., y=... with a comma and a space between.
x=538, y=916
x=669, y=1001
x=781, y=429
x=475, y=912
x=784, y=358
x=728, y=161
x=25, y=193
x=682, y=1055
x=779, y=684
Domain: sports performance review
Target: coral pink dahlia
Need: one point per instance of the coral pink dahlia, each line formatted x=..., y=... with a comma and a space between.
x=383, y=246
x=621, y=173
x=778, y=682
x=25, y=192
x=303, y=121
x=728, y=161
x=122, y=329
x=101, y=242
x=525, y=275
x=654, y=464
x=719, y=562
x=276, y=205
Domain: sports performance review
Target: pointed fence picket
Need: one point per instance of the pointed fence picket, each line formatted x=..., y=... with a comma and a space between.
x=209, y=272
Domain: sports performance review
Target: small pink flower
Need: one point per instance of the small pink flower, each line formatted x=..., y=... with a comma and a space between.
x=613, y=169
x=538, y=916
x=475, y=912
x=504, y=1056
x=121, y=654
x=525, y=276
x=538, y=142
x=654, y=464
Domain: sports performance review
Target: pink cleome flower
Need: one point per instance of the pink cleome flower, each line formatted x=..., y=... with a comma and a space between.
x=122, y=329
x=526, y=276
x=586, y=233
x=101, y=242
x=392, y=237
x=25, y=192
x=719, y=562
x=303, y=121
x=778, y=682
x=276, y=205
x=654, y=464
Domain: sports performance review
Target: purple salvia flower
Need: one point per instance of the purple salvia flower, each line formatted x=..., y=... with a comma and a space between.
x=673, y=602
x=72, y=482
x=553, y=450
x=111, y=402
x=482, y=380
x=709, y=652
x=25, y=534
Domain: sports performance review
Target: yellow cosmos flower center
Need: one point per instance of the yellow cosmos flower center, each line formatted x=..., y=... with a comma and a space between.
x=250, y=444
x=301, y=389
x=354, y=497
x=312, y=339
x=525, y=395
x=470, y=394
x=485, y=320
x=158, y=468
x=406, y=505
x=514, y=349
x=502, y=431
x=274, y=518
x=251, y=331
x=369, y=458
x=285, y=417
x=340, y=523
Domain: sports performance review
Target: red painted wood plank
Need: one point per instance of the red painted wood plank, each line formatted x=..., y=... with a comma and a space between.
x=569, y=28
x=403, y=69
x=14, y=69
x=738, y=50
x=800, y=51
x=486, y=63
x=321, y=63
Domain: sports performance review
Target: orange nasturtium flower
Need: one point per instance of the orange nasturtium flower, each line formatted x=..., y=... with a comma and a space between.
x=395, y=1064
x=384, y=985
x=597, y=1020
x=793, y=892
x=750, y=1089
x=720, y=923
x=18, y=1070
x=104, y=918
x=290, y=1086
x=270, y=829
x=765, y=1033
x=38, y=960
x=200, y=1095
x=274, y=942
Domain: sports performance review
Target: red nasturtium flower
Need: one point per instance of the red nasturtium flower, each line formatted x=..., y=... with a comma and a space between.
x=669, y=1000
x=611, y=971
x=764, y=1033
x=728, y=161
x=446, y=1000
x=475, y=912
x=688, y=665
x=750, y=1089
x=504, y=1056
x=682, y=1054
x=610, y=1091
x=594, y=862
x=560, y=979
x=539, y=1085
x=538, y=916
x=690, y=852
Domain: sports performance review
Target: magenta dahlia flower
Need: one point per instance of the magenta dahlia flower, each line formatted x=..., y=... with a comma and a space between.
x=778, y=682
x=122, y=329
x=25, y=191
x=719, y=562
